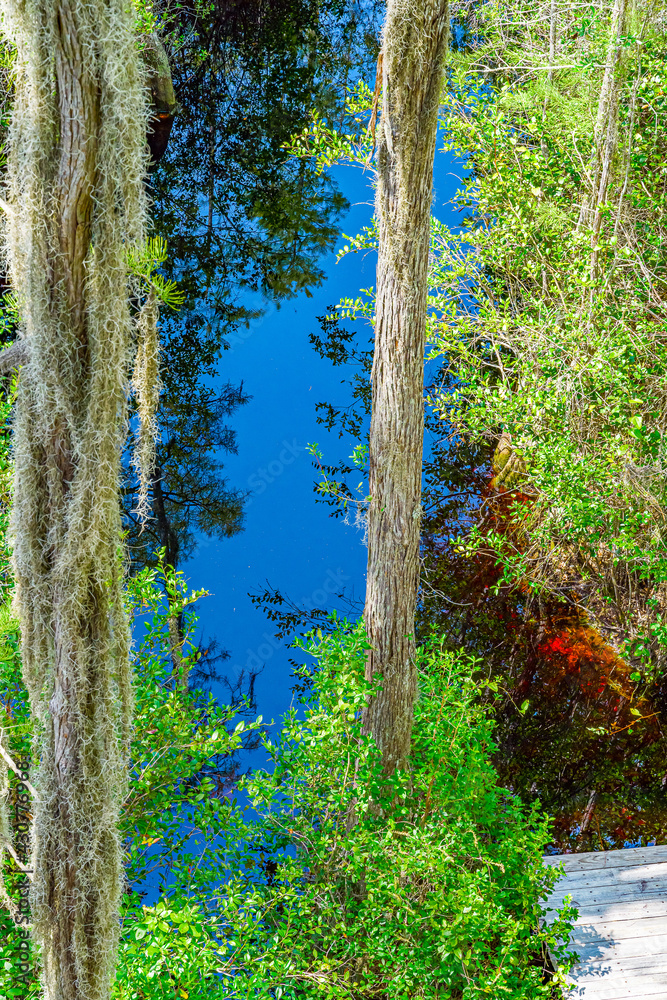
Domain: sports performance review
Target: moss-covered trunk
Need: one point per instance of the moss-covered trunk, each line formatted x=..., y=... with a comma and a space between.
x=75, y=193
x=414, y=49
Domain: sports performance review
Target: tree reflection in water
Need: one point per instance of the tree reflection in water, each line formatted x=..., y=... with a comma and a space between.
x=574, y=729
x=246, y=225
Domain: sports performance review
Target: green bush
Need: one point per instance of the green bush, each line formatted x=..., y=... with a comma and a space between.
x=183, y=759
x=323, y=878
x=352, y=885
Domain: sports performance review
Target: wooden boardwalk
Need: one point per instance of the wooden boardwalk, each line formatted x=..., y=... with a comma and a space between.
x=621, y=933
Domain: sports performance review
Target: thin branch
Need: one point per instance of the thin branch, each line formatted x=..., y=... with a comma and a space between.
x=14, y=356
x=8, y=760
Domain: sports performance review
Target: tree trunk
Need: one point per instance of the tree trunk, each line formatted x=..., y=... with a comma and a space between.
x=164, y=105
x=414, y=49
x=606, y=124
x=170, y=543
x=75, y=205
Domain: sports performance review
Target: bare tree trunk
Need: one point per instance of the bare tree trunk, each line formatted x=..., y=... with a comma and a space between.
x=170, y=544
x=606, y=124
x=552, y=40
x=414, y=48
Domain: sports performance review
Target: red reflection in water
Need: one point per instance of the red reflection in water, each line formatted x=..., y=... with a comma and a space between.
x=573, y=730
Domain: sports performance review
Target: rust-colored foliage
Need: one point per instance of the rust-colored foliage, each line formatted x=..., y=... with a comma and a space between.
x=574, y=730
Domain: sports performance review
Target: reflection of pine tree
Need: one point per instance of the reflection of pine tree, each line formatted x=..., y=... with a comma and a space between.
x=239, y=213
x=189, y=494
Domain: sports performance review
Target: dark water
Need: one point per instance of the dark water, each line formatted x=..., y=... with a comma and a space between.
x=574, y=730
x=289, y=540
x=251, y=235
x=252, y=238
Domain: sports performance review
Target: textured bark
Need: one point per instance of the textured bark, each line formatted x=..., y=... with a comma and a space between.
x=414, y=49
x=78, y=100
x=164, y=105
x=606, y=123
x=13, y=357
x=169, y=542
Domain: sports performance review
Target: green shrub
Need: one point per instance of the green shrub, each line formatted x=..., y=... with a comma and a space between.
x=327, y=879
x=352, y=885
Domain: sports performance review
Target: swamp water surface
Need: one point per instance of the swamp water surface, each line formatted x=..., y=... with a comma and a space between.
x=252, y=238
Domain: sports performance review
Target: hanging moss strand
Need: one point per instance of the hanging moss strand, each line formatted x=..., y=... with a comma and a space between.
x=76, y=203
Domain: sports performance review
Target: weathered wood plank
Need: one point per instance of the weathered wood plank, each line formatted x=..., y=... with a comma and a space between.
x=624, y=909
x=624, y=858
x=600, y=894
x=633, y=978
x=620, y=991
x=592, y=953
x=618, y=875
x=614, y=967
x=622, y=987
x=621, y=932
x=642, y=977
x=597, y=949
